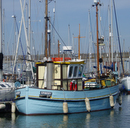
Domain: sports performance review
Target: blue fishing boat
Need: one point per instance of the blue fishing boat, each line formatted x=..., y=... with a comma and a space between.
x=61, y=88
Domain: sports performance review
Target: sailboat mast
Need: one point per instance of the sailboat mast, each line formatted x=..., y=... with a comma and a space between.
x=97, y=38
x=79, y=43
x=112, y=28
x=29, y=18
x=46, y=26
x=90, y=42
x=1, y=54
x=109, y=35
x=1, y=26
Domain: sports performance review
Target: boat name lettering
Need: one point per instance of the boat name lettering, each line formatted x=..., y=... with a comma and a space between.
x=45, y=93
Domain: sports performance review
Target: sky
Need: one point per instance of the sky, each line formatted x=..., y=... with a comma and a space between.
x=66, y=19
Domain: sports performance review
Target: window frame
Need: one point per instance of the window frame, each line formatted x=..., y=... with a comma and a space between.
x=73, y=71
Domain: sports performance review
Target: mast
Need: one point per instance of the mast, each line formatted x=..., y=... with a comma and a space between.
x=1, y=54
x=68, y=35
x=14, y=47
x=112, y=28
x=96, y=4
x=79, y=42
x=53, y=29
x=29, y=19
x=49, y=43
x=90, y=43
x=26, y=37
x=46, y=26
x=97, y=39
x=118, y=36
x=100, y=21
x=3, y=32
x=0, y=26
x=109, y=36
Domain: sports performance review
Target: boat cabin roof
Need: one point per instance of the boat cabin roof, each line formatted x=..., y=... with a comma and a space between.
x=75, y=61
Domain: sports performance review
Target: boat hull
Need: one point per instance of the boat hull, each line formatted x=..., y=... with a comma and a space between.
x=29, y=102
x=126, y=83
x=7, y=95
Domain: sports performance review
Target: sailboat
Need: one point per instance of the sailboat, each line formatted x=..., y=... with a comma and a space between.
x=125, y=83
x=61, y=89
x=125, y=78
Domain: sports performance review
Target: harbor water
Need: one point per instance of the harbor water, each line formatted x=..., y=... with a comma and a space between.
x=118, y=117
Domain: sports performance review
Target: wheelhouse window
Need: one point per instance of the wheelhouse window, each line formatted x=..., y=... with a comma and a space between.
x=80, y=70
x=75, y=71
x=70, y=71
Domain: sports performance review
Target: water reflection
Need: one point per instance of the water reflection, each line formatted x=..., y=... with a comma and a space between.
x=65, y=118
x=93, y=119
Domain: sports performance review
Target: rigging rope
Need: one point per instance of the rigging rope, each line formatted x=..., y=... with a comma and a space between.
x=58, y=33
